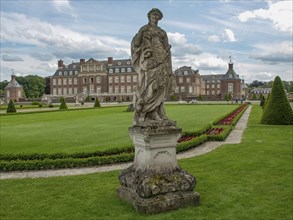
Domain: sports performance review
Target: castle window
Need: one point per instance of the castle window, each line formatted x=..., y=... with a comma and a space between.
x=98, y=79
x=122, y=70
x=134, y=78
x=129, y=69
x=230, y=87
x=116, y=70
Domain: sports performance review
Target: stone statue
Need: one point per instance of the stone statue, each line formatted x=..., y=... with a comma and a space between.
x=154, y=183
x=151, y=59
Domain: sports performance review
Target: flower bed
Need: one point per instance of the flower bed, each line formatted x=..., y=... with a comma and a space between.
x=230, y=118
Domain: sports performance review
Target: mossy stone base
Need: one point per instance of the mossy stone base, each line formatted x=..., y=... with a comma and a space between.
x=159, y=203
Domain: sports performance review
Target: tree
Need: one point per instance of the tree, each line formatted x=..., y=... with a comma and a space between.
x=277, y=109
x=63, y=105
x=33, y=86
x=11, y=108
x=97, y=103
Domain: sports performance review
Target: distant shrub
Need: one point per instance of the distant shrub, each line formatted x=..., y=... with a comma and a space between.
x=11, y=107
x=51, y=106
x=40, y=105
x=35, y=103
x=87, y=99
x=97, y=103
x=130, y=108
x=63, y=105
x=277, y=110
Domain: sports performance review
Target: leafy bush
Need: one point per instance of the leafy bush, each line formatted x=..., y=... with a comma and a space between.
x=51, y=106
x=277, y=109
x=63, y=105
x=11, y=107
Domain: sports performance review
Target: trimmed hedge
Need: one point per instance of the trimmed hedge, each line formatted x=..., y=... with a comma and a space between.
x=277, y=110
x=64, y=163
x=184, y=146
x=11, y=107
x=80, y=155
x=197, y=132
x=222, y=136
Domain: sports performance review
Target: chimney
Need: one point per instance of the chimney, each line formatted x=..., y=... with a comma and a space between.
x=60, y=64
x=82, y=61
x=13, y=78
x=110, y=60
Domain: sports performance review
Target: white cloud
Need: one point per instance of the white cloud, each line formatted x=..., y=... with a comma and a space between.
x=8, y=58
x=229, y=35
x=62, y=5
x=280, y=13
x=61, y=41
x=275, y=52
x=48, y=67
x=211, y=63
x=177, y=38
x=214, y=38
x=181, y=47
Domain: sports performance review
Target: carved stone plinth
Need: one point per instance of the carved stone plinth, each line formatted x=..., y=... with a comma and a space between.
x=155, y=183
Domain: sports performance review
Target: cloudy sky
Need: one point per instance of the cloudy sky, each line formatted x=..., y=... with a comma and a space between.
x=203, y=34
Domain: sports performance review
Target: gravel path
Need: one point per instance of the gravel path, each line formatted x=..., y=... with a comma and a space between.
x=234, y=137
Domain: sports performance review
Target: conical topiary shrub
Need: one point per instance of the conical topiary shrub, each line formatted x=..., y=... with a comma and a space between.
x=277, y=109
x=11, y=108
x=97, y=103
x=63, y=105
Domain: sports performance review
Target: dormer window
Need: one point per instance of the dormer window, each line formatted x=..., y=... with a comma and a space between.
x=119, y=63
x=230, y=75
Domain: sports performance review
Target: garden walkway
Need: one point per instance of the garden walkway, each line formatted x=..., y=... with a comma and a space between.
x=233, y=138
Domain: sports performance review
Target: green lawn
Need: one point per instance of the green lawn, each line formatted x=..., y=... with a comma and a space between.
x=90, y=129
x=252, y=180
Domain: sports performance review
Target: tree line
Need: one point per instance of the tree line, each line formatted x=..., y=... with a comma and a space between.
x=288, y=85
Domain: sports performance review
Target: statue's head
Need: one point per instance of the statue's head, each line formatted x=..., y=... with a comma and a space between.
x=155, y=11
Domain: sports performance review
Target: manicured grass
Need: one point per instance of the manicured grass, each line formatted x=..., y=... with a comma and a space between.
x=251, y=180
x=90, y=129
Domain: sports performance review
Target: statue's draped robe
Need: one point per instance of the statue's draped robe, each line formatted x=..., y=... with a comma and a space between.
x=151, y=59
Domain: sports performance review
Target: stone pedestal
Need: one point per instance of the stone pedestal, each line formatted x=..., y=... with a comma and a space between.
x=154, y=183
